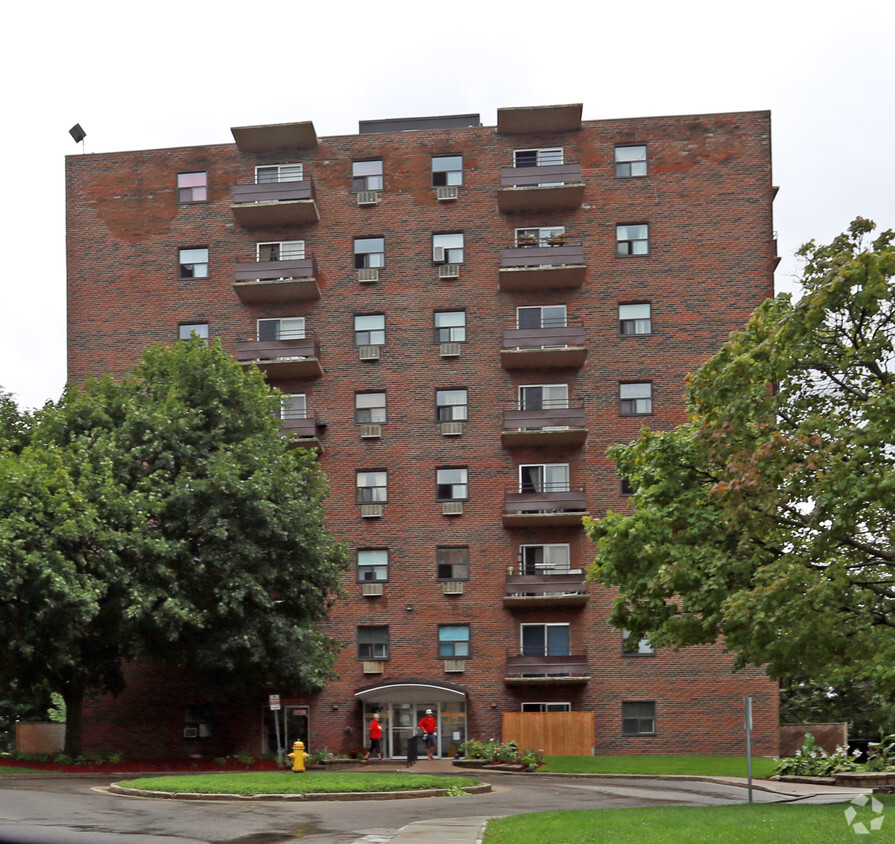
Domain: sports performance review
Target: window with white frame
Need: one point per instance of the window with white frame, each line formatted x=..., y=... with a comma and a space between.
x=635, y=399
x=544, y=477
x=451, y=405
x=630, y=160
x=447, y=170
x=372, y=642
x=192, y=187
x=186, y=330
x=639, y=718
x=541, y=316
x=453, y=641
x=546, y=706
x=452, y=562
x=450, y=326
x=369, y=330
x=635, y=319
x=451, y=484
x=281, y=250
x=193, y=262
x=266, y=173
x=543, y=396
x=282, y=328
x=369, y=253
x=366, y=175
x=447, y=248
x=544, y=559
x=631, y=645
x=632, y=239
x=372, y=564
x=369, y=408
x=294, y=406
x=545, y=639
x=537, y=157
x=372, y=486
x=541, y=236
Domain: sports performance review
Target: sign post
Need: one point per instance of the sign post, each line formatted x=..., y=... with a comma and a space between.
x=747, y=705
x=274, y=701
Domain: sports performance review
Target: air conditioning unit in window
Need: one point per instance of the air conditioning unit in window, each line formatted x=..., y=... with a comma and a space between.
x=373, y=668
x=447, y=192
x=452, y=508
x=370, y=432
x=452, y=587
x=450, y=350
x=368, y=352
x=369, y=275
x=368, y=197
x=438, y=254
x=191, y=732
x=371, y=590
x=451, y=429
x=371, y=511
x=454, y=666
x=449, y=271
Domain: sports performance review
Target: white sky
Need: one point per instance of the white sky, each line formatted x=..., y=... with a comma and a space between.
x=171, y=74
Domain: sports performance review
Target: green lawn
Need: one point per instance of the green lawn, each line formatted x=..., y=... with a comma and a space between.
x=286, y=782
x=700, y=766
x=745, y=824
x=10, y=771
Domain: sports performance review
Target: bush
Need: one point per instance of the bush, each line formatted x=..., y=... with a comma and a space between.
x=244, y=758
x=813, y=761
x=115, y=758
x=881, y=754
x=62, y=759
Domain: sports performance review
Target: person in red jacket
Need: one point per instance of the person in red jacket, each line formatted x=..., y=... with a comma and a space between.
x=375, y=737
x=429, y=727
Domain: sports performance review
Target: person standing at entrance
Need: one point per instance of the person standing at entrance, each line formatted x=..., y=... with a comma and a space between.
x=429, y=727
x=375, y=737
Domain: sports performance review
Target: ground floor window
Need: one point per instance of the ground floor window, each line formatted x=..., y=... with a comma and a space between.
x=639, y=718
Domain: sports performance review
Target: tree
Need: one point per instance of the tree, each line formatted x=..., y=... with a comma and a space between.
x=164, y=515
x=768, y=518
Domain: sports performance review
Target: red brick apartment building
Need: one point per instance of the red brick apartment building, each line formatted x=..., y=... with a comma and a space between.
x=463, y=318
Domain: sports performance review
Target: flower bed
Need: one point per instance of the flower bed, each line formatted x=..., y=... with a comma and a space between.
x=142, y=765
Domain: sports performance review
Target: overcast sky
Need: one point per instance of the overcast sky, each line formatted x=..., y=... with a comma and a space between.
x=176, y=74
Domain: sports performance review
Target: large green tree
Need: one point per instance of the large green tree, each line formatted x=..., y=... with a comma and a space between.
x=164, y=515
x=768, y=518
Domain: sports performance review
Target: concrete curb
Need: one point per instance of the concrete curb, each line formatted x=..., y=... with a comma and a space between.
x=351, y=795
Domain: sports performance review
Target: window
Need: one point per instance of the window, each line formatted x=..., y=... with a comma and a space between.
x=198, y=722
x=451, y=405
x=630, y=645
x=372, y=486
x=366, y=175
x=541, y=316
x=451, y=485
x=284, y=328
x=187, y=329
x=635, y=319
x=544, y=559
x=372, y=642
x=544, y=477
x=192, y=187
x=282, y=250
x=372, y=564
x=452, y=562
x=546, y=706
x=635, y=399
x=537, y=157
x=627, y=488
x=545, y=640
x=279, y=173
x=294, y=406
x=193, y=263
x=369, y=252
x=630, y=161
x=369, y=408
x=543, y=396
x=450, y=326
x=447, y=248
x=369, y=330
x=447, y=170
x=453, y=641
x=541, y=236
x=639, y=718
x=632, y=239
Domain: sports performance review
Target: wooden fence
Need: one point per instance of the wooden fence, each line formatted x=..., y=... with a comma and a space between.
x=556, y=733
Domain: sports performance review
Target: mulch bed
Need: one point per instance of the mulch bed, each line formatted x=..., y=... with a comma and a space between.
x=141, y=766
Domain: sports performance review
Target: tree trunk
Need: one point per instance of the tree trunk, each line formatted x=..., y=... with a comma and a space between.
x=73, y=695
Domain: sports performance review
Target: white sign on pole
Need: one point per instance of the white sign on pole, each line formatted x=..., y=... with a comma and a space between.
x=274, y=701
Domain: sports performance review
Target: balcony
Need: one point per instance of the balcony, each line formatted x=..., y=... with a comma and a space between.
x=547, y=589
x=549, y=187
x=527, y=669
x=540, y=119
x=551, y=347
x=553, y=506
x=266, y=204
x=298, y=358
x=543, y=427
x=275, y=136
x=273, y=282
x=528, y=269
x=301, y=429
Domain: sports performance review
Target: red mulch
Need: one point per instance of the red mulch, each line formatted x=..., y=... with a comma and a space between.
x=140, y=766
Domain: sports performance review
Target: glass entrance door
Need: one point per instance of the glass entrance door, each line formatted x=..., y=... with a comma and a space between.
x=402, y=728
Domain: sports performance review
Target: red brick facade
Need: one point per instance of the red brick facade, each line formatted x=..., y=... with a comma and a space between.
x=706, y=198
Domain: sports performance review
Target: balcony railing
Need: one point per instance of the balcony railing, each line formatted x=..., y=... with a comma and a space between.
x=548, y=187
x=533, y=268
x=291, y=280
x=535, y=348
x=301, y=427
x=548, y=426
x=295, y=358
x=523, y=668
x=547, y=589
x=556, y=506
x=265, y=204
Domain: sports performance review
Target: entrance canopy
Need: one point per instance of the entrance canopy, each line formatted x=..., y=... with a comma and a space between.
x=412, y=691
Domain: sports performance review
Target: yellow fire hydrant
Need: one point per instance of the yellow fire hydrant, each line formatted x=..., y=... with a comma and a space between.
x=298, y=756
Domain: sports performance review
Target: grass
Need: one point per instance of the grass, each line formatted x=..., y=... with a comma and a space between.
x=286, y=782
x=745, y=824
x=700, y=766
x=9, y=771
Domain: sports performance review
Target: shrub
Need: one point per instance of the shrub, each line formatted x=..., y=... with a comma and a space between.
x=244, y=758
x=115, y=758
x=62, y=759
x=813, y=761
x=881, y=754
